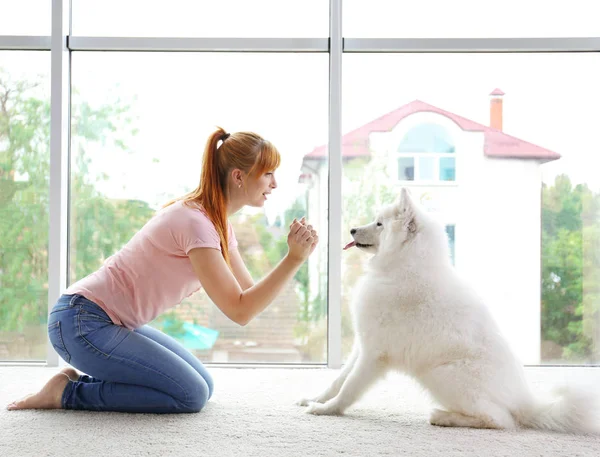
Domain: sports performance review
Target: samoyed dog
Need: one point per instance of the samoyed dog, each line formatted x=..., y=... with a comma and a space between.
x=412, y=312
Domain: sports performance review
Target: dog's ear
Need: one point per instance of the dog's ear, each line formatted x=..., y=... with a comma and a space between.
x=404, y=204
x=405, y=211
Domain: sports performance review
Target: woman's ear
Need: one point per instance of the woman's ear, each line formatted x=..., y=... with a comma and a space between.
x=237, y=177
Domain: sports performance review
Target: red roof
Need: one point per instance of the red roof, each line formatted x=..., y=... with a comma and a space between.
x=496, y=142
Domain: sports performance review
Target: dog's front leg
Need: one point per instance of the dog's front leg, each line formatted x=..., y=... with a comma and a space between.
x=336, y=385
x=362, y=375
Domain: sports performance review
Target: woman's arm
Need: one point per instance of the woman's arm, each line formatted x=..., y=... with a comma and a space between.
x=240, y=271
x=241, y=306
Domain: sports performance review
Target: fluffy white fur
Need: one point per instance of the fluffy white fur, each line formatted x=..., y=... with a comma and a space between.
x=413, y=312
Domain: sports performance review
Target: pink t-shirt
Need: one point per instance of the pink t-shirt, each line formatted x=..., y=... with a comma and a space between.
x=152, y=272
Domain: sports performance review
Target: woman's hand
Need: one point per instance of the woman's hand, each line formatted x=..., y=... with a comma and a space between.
x=302, y=240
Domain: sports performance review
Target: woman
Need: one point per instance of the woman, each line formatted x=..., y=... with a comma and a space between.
x=99, y=325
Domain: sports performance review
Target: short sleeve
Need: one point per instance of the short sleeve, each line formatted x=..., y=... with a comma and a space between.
x=193, y=229
x=233, y=243
x=198, y=232
x=188, y=228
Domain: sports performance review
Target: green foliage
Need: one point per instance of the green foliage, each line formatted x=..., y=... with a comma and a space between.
x=365, y=191
x=24, y=198
x=170, y=324
x=570, y=268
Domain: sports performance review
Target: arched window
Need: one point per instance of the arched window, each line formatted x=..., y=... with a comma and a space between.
x=427, y=153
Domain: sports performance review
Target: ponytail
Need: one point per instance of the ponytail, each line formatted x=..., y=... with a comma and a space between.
x=212, y=195
x=224, y=152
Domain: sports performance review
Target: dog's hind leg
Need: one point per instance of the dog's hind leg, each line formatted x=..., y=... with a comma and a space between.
x=499, y=420
x=336, y=385
x=362, y=375
x=460, y=389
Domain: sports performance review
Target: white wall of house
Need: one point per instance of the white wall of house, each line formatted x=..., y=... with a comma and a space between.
x=495, y=205
x=498, y=245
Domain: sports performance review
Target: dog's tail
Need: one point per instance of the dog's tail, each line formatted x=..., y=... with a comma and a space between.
x=569, y=410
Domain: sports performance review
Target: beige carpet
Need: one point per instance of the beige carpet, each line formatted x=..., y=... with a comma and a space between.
x=252, y=414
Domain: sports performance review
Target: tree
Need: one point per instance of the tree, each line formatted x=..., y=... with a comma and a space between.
x=274, y=244
x=98, y=226
x=24, y=169
x=570, y=269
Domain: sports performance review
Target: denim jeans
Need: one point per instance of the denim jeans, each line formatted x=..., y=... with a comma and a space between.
x=141, y=370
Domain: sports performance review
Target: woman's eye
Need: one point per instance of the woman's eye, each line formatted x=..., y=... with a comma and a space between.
x=379, y=224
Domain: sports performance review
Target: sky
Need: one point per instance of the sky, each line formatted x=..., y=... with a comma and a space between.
x=551, y=99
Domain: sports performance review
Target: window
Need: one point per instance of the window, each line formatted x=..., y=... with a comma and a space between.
x=17, y=18
x=426, y=153
x=406, y=168
x=153, y=118
x=494, y=125
x=435, y=122
x=450, y=231
x=427, y=138
x=447, y=167
x=24, y=172
x=194, y=18
x=468, y=19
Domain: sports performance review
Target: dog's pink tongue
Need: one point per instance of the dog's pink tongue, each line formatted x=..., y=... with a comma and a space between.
x=349, y=245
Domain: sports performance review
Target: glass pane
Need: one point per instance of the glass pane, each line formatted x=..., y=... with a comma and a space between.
x=469, y=18
x=16, y=17
x=522, y=129
x=427, y=168
x=427, y=138
x=406, y=169
x=24, y=173
x=447, y=169
x=202, y=18
x=138, y=139
x=450, y=230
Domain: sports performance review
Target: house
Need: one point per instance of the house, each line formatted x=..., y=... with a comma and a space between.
x=483, y=183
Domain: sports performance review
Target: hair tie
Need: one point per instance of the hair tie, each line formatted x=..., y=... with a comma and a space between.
x=225, y=136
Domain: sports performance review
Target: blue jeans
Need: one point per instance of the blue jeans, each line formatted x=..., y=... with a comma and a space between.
x=143, y=370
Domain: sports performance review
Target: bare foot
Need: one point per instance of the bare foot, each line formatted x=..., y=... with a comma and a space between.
x=50, y=397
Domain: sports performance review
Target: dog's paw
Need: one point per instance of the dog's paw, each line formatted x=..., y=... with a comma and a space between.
x=441, y=418
x=304, y=402
x=320, y=409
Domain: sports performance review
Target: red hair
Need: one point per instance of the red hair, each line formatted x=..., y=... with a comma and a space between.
x=223, y=153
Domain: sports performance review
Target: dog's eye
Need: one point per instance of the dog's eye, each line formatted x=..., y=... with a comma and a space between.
x=379, y=224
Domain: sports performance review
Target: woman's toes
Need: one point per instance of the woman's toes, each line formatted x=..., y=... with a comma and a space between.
x=50, y=397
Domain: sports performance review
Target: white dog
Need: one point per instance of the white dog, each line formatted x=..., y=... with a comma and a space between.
x=412, y=312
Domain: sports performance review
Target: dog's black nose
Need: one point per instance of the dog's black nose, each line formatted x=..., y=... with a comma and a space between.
x=352, y=232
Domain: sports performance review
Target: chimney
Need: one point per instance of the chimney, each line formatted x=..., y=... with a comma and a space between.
x=496, y=109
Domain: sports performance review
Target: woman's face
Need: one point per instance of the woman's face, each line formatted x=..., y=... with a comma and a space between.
x=258, y=190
